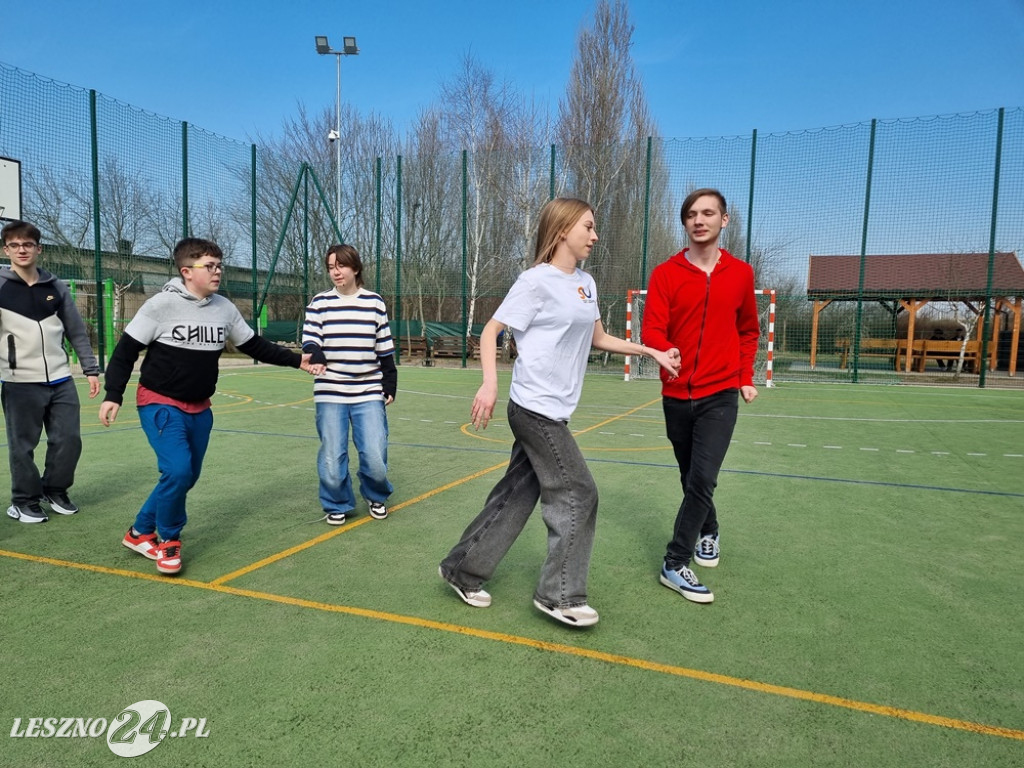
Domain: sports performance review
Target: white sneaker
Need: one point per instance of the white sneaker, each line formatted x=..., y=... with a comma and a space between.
x=574, y=616
x=478, y=598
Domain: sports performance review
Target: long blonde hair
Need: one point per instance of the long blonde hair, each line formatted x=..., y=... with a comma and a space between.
x=557, y=218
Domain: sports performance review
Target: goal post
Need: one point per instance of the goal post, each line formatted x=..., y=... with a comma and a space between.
x=640, y=367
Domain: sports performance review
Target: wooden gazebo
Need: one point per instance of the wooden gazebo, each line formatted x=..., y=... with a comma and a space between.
x=911, y=281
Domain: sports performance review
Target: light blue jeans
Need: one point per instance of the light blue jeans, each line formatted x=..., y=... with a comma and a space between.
x=180, y=441
x=370, y=435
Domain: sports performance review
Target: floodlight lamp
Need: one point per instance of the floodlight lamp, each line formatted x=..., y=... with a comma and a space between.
x=349, y=46
x=322, y=45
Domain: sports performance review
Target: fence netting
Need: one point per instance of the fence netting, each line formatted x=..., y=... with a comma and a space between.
x=862, y=230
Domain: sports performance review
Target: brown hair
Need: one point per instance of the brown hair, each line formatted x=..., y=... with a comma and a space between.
x=692, y=198
x=191, y=249
x=556, y=218
x=21, y=229
x=345, y=256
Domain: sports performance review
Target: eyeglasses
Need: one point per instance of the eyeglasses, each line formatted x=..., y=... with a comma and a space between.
x=21, y=246
x=211, y=268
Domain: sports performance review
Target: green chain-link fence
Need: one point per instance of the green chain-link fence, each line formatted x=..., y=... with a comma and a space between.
x=929, y=213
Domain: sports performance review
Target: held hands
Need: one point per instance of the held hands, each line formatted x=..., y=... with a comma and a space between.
x=669, y=360
x=314, y=369
x=483, y=405
x=748, y=393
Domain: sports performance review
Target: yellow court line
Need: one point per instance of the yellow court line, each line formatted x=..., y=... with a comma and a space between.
x=307, y=544
x=898, y=713
x=324, y=537
x=465, y=427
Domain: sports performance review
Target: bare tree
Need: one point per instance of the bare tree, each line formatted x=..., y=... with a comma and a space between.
x=476, y=114
x=603, y=126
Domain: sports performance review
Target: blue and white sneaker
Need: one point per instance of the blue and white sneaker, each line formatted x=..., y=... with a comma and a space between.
x=707, y=551
x=683, y=581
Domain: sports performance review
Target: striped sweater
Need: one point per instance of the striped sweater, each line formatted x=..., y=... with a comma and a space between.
x=353, y=336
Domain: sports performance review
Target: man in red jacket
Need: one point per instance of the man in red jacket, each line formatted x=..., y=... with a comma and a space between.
x=701, y=302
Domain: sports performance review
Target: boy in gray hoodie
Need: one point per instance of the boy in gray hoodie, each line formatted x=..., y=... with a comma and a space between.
x=183, y=330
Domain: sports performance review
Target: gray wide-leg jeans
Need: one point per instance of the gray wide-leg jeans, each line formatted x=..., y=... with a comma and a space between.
x=546, y=463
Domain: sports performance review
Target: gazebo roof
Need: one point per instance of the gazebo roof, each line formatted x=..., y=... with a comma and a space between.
x=936, y=276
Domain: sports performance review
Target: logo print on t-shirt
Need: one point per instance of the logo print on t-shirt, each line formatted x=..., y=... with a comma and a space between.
x=584, y=293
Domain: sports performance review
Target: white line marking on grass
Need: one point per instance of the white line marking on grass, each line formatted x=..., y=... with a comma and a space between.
x=761, y=442
x=880, y=421
x=833, y=447
x=977, y=454
x=634, y=434
x=1014, y=455
x=868, y=449
x=904, y=450
x=941, y=453
x=796, y=445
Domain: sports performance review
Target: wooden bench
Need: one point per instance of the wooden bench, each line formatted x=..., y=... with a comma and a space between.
x=937, y=349
x=413, y=346
x=446, y=346
x=916, y=355
x=474, y=348
x=868, y=348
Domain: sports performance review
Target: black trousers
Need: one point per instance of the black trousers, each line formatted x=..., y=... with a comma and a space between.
x=700, y=431
x=28, y=409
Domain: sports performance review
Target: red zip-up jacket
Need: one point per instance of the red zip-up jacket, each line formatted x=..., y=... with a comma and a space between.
x=711, y=319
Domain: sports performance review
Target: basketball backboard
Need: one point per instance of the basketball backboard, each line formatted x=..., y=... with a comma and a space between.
x=10, y=189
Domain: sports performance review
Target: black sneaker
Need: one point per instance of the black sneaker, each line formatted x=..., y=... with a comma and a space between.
x=336, y=518
x=378, y=511
x=27, y=513
x=60, y=503
x=707, y=551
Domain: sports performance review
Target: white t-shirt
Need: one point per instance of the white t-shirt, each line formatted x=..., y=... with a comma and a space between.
x=552, y=317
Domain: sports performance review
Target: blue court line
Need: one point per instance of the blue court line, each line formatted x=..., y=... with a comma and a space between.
x=757, y=473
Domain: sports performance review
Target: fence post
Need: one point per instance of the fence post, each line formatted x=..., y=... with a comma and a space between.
x=305, y=242
x=863, y=252
x=551, y=175
x=987, y=319
x=398, y=254
x=750, y=196
x=185, y=228
x=380, y=219
x=647, y=216
x=97, y=239
x=252, y=237
x=465, y=245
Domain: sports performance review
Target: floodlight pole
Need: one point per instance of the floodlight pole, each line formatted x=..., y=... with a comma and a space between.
x=349, y=48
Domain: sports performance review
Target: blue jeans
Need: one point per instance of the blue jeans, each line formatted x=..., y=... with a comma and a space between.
x=370, y=434
x=700, y=431
x=28, y=409
x=179, y=440
x=546, y=464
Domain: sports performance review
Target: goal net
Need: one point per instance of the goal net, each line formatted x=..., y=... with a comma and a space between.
x=641, y=367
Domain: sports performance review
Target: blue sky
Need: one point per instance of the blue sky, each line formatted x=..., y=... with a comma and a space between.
x=718, y=68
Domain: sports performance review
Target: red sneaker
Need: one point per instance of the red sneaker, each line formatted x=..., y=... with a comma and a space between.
x=145, y=543
x=168, y=558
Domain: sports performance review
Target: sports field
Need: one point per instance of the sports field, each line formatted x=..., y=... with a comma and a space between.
x=867, y=605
